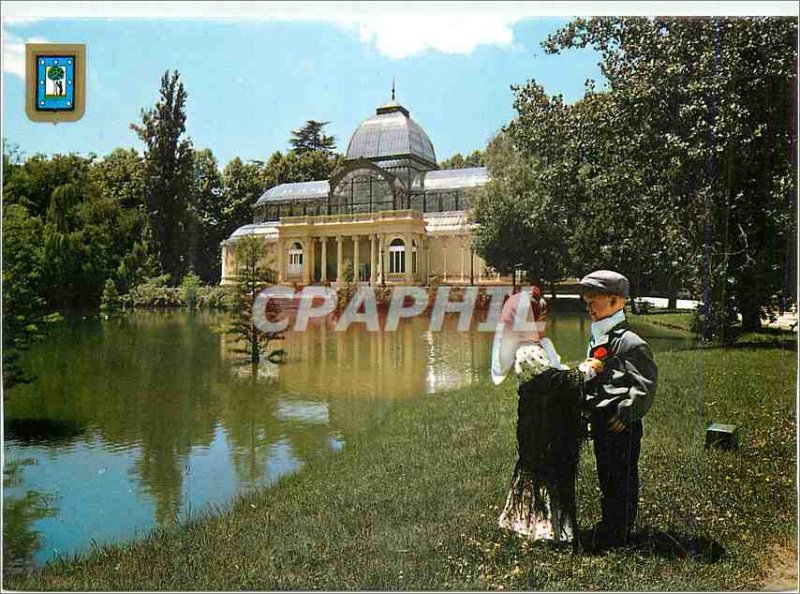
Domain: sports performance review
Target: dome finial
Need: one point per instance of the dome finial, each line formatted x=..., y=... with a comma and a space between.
x=392, y=88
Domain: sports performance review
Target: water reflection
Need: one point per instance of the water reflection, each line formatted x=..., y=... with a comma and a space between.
x=150, y=417
x=21, y=509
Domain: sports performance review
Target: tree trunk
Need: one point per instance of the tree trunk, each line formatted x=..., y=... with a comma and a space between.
x=751, y=318
x=672, y=294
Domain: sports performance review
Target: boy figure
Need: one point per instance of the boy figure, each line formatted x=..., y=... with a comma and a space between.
x=616, y=401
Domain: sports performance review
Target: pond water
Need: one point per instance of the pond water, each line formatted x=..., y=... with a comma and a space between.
x=148, y=418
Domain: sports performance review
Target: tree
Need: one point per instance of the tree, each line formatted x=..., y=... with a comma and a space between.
x=242, y=188
x=169, y=172
x=703, y=110
x=474, y=159
x=518, y=222
x=23, y=287
x=252, y=276
x=310, y=137
x=205, y=217
x=56, y=74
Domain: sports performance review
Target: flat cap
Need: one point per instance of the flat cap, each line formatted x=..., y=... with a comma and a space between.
x=606, y=281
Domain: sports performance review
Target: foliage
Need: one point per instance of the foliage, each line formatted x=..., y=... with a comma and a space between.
x=205, y=217
x=310, y=137
x=242, y=186
x=23, y=287
x=457, y=161
x=516, y=203
x=252, y=276
x=189, y=286
x=154, y=292
x=169, y=166
x=690, y=148
x=55, y=73
x=110, y=300
x=290, y=168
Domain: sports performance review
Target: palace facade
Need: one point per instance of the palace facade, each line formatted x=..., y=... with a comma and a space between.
x=390, y=211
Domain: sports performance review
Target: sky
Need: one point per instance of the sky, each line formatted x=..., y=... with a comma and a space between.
x=256, y=71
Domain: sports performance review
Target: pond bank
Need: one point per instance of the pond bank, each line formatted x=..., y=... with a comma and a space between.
x=412, y=503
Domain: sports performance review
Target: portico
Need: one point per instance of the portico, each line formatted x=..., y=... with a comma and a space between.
x=382, y=248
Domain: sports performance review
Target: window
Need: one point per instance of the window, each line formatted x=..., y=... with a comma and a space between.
x=296, y=258
x=397, y=257
x=413, y=257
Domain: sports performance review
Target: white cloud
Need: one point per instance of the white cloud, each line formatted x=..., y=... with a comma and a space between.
x=14, y=52
x=401, y=36
x=397, y=29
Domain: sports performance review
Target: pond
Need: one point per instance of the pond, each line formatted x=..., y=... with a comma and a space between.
x=149, y=418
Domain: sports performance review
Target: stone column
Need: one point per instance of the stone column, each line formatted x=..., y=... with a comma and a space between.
x=381, y=255
x=281, y=258
x=224, y=260
x=324, y=263
x=307, y=261
x=355, y=259
x=444, y=260
x=408, y=239
x=339, y=263
x=461, y=248
x=428, y=248
x=373, y=260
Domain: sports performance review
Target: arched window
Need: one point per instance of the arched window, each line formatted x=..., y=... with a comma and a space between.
x=414, y=256
x=296, y=258
x=397, y=257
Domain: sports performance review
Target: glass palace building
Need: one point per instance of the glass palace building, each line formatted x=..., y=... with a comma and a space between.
x=389, y=211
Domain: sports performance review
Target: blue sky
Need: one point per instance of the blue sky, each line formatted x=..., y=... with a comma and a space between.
x=251, y=83
x=256, y=70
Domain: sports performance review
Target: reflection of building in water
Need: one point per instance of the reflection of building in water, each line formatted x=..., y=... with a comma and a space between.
x=408, y=362
x=390, y=211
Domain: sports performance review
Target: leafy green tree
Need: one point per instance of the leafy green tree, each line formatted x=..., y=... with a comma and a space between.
x=242, y=188
x=703, y=111
x=121, y=175
x=56, y=74
x=458, y=161
x=23, y=287
x=252, y=276
x=310, y=137
x=32, y=182
x=206, y=217
x=169, y=167
x=518, y=222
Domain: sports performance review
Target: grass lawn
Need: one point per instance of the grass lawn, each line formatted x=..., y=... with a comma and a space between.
x=412, y=503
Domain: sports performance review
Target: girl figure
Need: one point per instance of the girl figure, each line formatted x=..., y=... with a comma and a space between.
x=541, y=501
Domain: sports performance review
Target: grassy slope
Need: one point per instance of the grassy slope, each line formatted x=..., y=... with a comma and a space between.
x=412, y=504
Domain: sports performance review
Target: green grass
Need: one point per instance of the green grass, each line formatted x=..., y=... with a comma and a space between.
x=678, y=321
x=412, y=504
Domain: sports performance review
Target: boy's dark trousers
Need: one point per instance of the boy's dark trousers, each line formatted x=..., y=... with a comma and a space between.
x=617, y=456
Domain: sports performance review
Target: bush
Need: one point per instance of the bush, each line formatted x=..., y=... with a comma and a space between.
x=154, y=292
x=213, y=297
